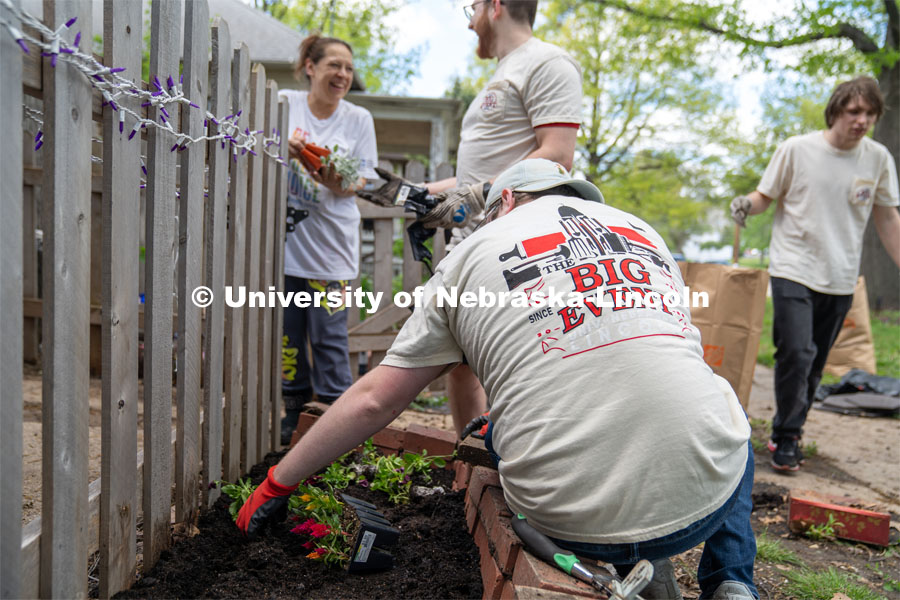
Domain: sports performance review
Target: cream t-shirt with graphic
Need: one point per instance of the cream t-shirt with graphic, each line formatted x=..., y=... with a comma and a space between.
x=610, y=426
x=535, y=84
x=824, y=199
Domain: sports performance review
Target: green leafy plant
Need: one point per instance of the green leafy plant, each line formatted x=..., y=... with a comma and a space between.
x=825, y=531
x=337, y=475
x=392, y=479
x=238, y=492
x=773, y=551
x=393, y=474
x=810, y=449
x=422, y=464
x=345, y=166
x=428, y=402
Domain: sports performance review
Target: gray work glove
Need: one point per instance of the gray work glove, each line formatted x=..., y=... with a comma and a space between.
x=395, y=191
x=457, y=206
x=740, y=209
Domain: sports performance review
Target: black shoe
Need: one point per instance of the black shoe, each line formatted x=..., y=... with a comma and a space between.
x=787, y=454
x=288, y=425
x=772, y=445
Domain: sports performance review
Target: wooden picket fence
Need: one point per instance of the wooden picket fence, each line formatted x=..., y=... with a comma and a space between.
x=230, y=230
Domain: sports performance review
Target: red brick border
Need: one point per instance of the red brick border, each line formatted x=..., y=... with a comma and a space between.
x=507, y=570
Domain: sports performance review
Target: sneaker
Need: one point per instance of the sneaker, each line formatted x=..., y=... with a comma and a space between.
x=772, y=445
x=663, y=586
x=732, y=590
x=787, y=455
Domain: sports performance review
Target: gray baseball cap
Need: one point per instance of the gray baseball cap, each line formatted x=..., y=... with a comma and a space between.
x=537, y=175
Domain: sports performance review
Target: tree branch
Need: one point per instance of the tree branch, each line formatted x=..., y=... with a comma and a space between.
x=861, y=41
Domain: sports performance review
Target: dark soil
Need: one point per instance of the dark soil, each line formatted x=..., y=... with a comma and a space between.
x=435, y=556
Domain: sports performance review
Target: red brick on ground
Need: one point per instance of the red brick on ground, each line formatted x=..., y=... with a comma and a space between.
x=389, y=439
x=436, y=441
x=854, y=524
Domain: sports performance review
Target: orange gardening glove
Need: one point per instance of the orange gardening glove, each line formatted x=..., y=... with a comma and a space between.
x=268, y=503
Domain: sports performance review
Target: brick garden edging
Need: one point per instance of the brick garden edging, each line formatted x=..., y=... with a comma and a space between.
x=507, y=570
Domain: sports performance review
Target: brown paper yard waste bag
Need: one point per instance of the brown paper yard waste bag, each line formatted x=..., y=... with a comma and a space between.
x=854, y=348
x=731, y=325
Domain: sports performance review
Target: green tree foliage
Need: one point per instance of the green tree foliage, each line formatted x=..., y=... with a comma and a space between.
x=364, y=25
x=651, y=184
x=829, y=37
x=640, y=82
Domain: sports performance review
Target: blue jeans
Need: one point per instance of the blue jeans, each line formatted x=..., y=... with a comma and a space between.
x=728, y=554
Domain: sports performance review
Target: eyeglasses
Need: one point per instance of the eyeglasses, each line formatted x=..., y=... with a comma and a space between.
x=469, y=10
x=489, y=216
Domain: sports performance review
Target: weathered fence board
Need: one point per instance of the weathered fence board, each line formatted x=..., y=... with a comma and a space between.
x=237, y=360
x=122, y=34
x=66, y=341
x=213, y=347
x=266, y=442
x=190, y=259
x=160, y=244
x=250, y=432
x=278, y=269
x=234, y=317
x=11, y=325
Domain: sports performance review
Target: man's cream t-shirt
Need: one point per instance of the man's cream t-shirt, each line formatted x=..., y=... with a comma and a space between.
x=535, y=84
x=824, y=199
x=610, y=426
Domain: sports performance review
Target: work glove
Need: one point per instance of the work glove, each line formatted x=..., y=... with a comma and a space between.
x=267, y=504
x=456, y=207
x=740, y=209
x=453, y=208
x=397, y=191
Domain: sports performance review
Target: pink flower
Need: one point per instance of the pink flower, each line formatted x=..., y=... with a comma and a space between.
x=304, y=527
x=321, y=551
x=319, y=530
x=309, y=545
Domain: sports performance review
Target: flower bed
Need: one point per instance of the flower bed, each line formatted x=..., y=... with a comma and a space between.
x=434, y=557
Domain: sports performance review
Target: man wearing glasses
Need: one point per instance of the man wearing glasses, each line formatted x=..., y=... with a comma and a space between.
x=613, y=435
x=530, y=108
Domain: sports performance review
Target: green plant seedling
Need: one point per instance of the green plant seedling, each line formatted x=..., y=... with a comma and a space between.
x=238, y=492
x=811, y=449
x=825, y=531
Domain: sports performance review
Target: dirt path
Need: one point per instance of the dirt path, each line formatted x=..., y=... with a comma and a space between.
x=860, y=455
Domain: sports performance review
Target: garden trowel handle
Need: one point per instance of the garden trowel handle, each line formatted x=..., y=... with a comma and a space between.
x=543, y=547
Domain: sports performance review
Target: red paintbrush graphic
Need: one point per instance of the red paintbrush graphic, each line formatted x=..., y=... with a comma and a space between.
x=632, y=235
